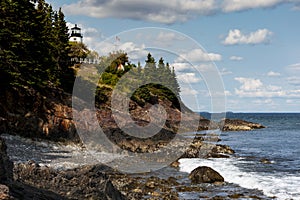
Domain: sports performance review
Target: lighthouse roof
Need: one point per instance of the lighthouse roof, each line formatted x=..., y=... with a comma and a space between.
x=75, y=28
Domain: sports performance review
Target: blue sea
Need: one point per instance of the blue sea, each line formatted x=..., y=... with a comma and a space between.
x=279, y=143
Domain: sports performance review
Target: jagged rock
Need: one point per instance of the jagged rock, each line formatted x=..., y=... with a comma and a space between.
x=89, y=182
x=205, y=124
x=205, y=175
x=29, y=113
x=4, y=193
x=219, y=148
x=238, y=125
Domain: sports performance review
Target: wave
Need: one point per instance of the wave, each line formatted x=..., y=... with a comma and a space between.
x=280, y=185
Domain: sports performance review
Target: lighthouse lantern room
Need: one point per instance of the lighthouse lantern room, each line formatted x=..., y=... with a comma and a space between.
x=76, y=35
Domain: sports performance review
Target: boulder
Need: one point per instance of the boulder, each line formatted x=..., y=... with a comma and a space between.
x=265, y=161
x=238, y=125
x=205, y=174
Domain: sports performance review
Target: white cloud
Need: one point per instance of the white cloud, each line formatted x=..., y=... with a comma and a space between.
x=294, y=67
x=206, y=67
x=198, y=55
x=235, y=36
x=225, y=72
x=181, y=66
x=156, y=10
x=294, y=80
x=249, y=84
x=238, y=5
x=264, y=101
x=236, y=58
x=167, y=12
x=255, y=88
x=273, y=74
x=168, y=36
x=188, y=78
x=293, y=94
x=165, y=38
x=185, y=91
x=134, y=51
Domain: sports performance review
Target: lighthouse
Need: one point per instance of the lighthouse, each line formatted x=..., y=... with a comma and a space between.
x=76, y=35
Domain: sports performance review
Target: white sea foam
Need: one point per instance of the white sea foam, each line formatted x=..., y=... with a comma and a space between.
x=282, y=186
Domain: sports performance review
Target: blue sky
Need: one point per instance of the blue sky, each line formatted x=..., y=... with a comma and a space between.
x=254, y=45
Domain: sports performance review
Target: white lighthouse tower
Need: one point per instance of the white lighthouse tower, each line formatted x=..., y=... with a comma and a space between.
x=76, y=35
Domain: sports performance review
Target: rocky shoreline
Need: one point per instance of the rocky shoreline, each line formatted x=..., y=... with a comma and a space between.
x=49, y=116
x=30, y=179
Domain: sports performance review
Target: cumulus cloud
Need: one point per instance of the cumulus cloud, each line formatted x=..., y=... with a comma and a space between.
x=239, y=5
x=167, y=38
x=156, y=10
x=198, y=55
x=249, y=83
x=236, y=36
x=255, y=88
x=273, y=74
x=188, y=78
x=182, y=66
x=167, y=12
x=236, y=58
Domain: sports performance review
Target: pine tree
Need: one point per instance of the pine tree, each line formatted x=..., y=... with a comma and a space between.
x=150, y=72
x=32, y=48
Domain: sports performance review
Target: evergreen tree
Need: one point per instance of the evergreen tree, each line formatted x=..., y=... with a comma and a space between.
x=150, y=72
x=33, y=44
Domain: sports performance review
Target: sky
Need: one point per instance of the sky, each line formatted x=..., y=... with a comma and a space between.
x=243, y=54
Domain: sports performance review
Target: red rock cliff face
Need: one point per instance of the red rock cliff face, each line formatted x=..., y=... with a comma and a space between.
x=48, y=115
x=32, y=114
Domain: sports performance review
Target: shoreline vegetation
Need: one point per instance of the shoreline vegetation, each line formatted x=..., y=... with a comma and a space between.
x=37, y=72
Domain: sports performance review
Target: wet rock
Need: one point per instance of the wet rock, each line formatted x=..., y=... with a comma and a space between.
x=175, y=164
x=219, y=148
x=4, y=193
x=220, y=151
x=216, y=155
x=193, y=150
x=89, y=182
x=205, y=124
x=205, y=174
x=265, y=161
x=238, y=125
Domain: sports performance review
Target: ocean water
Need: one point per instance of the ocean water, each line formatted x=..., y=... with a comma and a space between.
x=279, y=142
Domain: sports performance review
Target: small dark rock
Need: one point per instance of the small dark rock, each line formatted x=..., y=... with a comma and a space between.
x=175, y=164
x=205, y=174
x=265, y=161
